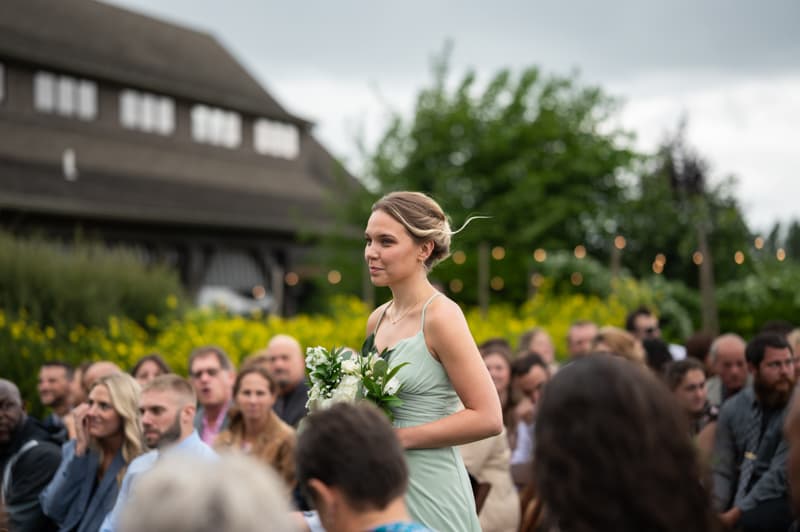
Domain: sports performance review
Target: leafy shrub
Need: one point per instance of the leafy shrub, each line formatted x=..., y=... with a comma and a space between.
x=82, y=284
x=769, y=293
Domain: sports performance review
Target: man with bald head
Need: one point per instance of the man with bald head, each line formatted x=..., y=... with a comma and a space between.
x=727, y=357
x=97, y=370
x=29, y=457
x=286, y=364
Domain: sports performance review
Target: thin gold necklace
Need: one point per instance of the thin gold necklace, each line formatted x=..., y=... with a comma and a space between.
x=403, y=315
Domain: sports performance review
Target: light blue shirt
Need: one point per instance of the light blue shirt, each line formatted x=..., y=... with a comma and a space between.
x=523, y=452
x=192, y=445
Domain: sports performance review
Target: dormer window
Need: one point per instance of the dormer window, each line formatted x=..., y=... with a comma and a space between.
x=147, y=112
x=277, y=139
x=65, y=95
x=212, y=125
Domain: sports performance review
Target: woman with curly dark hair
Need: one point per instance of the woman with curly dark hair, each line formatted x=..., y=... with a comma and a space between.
x=612, y=454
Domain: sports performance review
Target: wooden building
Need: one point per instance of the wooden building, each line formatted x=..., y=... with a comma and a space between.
x=142, y=132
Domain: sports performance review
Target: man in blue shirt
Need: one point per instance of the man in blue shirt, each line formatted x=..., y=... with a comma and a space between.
x=168, y=407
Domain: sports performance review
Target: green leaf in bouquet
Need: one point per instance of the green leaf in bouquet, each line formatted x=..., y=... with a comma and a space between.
x=392, y=401
x=341, y=353
x=368, y=345
x=392, y=372
x=380, y=368
x=373, y=390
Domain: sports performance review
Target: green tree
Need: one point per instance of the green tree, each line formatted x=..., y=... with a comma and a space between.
x=676, y=219
x=792, y=244
x=531, y=151
x=774, y=241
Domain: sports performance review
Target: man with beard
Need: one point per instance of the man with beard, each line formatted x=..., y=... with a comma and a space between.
x=286, y=364
x=167, y=405
x=749, y=462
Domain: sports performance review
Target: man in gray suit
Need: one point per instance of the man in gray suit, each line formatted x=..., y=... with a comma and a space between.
x=750, y=451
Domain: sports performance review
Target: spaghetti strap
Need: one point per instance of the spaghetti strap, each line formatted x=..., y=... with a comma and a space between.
x=380, y=319
x=424, y=308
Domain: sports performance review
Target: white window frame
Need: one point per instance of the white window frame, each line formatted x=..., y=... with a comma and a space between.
x=145, y=111
x=65, y=95
x=44, y=92
x=277, y=139
x=215, y=126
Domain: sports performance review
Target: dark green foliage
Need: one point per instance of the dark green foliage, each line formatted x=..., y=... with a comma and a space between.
x=64, y=286
x=769, y=292
x=528, y=150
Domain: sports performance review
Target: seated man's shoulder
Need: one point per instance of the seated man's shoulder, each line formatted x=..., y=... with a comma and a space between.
x=143, y=462
x=42, y=453
x=739, y=403
x=197, y=447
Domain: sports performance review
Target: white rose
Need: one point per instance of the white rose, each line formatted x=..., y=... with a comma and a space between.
x=315, y=356
x=350, y=367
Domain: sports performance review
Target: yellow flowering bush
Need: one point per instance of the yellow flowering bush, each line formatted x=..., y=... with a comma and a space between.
x=26, y=344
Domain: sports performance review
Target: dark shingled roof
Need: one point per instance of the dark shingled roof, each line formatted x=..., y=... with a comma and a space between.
x=105, y=42
x=42, y=188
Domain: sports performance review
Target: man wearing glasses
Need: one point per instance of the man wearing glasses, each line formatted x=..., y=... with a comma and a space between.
x=750, y=451
x=642, y=323
x=212, y=376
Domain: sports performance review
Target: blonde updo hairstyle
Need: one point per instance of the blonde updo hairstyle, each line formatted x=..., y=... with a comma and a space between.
x=424, y=220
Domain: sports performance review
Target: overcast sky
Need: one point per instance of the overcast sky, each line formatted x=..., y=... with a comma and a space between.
x=733, y=66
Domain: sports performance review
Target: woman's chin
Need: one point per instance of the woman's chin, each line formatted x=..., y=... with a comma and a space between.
x=253, y=418
x=378, y=281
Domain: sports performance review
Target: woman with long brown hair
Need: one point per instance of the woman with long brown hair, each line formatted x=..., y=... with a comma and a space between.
x=254, y=428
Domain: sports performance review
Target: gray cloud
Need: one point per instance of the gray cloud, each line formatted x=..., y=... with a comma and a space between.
x=606, y=40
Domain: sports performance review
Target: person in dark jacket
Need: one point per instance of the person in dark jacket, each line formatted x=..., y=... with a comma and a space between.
x=29, y=457
x=750, y=451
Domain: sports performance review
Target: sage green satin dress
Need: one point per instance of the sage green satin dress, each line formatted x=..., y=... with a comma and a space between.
x=439, y=492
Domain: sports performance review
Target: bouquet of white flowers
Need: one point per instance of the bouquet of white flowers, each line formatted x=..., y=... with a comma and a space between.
x=341, y=374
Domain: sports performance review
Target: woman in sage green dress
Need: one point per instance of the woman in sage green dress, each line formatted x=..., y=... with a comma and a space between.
x=448, y=395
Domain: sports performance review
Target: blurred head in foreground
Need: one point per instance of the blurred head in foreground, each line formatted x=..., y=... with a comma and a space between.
x=352, y=467
x=189, y=494
x=612, y=452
